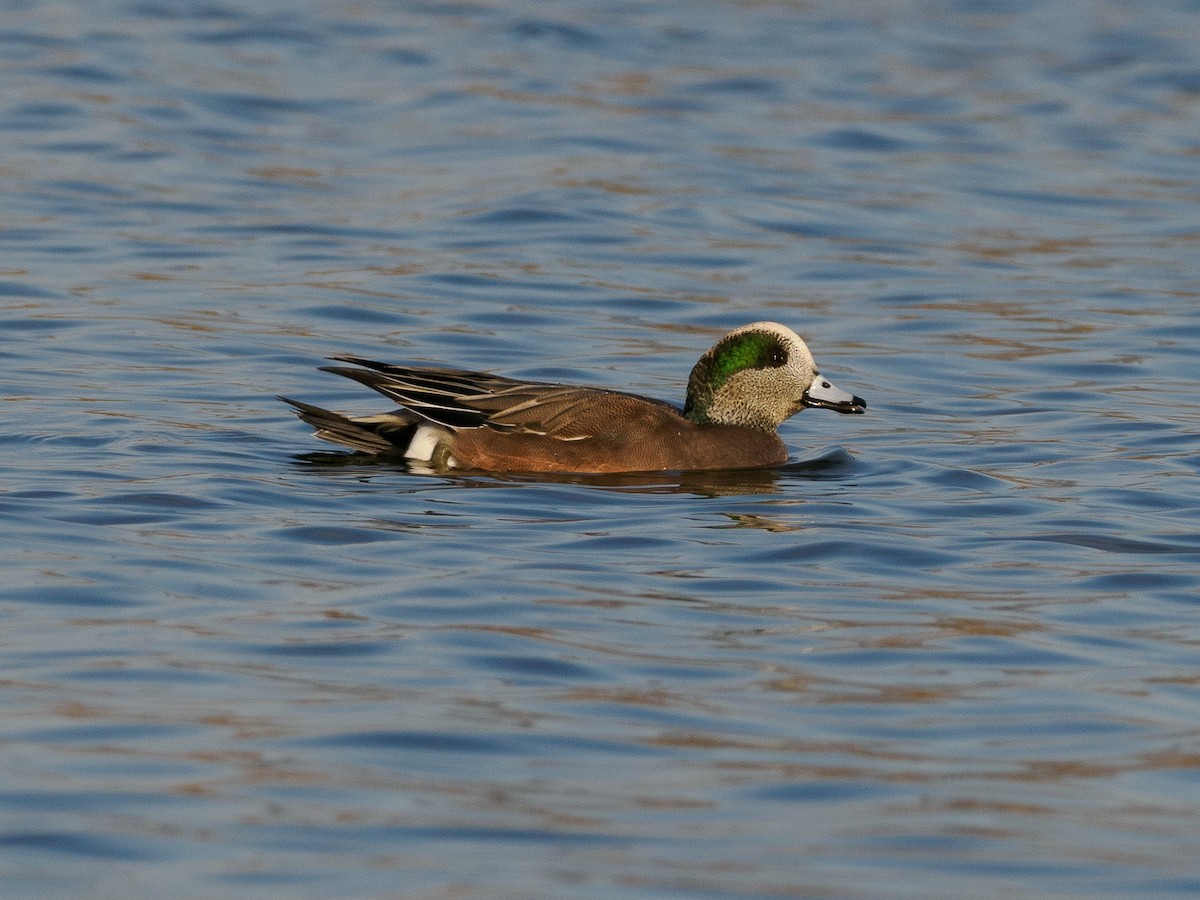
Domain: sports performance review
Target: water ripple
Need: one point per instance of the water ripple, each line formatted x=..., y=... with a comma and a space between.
x=947, y=650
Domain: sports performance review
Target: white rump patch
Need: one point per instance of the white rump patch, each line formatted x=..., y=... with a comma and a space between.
x=424, y=444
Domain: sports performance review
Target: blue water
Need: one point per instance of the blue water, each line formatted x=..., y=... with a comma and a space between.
x=952, y=652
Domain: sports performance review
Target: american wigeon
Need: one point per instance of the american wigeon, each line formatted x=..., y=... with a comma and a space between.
x=738, y=394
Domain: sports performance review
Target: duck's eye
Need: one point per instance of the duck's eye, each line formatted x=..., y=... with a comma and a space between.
x=776, y=358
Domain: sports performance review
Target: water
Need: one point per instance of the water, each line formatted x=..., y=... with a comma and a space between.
x=951, y=652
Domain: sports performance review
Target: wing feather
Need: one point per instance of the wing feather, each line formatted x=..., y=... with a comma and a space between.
x=458, y=398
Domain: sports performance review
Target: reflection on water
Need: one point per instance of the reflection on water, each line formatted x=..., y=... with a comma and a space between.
x=956, y=658
x=832, y=463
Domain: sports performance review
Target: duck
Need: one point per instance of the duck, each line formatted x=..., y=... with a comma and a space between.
x=738, y=394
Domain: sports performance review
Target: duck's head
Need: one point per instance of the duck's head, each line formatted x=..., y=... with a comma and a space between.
x=757, y=376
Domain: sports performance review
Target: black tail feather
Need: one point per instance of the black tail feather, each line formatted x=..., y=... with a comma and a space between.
x=387, y=433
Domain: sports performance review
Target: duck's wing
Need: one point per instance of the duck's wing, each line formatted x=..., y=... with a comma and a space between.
x=457, y=398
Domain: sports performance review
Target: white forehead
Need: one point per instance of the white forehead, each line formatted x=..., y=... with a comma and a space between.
x=793, y=341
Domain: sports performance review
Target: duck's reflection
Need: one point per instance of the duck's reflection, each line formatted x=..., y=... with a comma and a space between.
x=831, y=463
